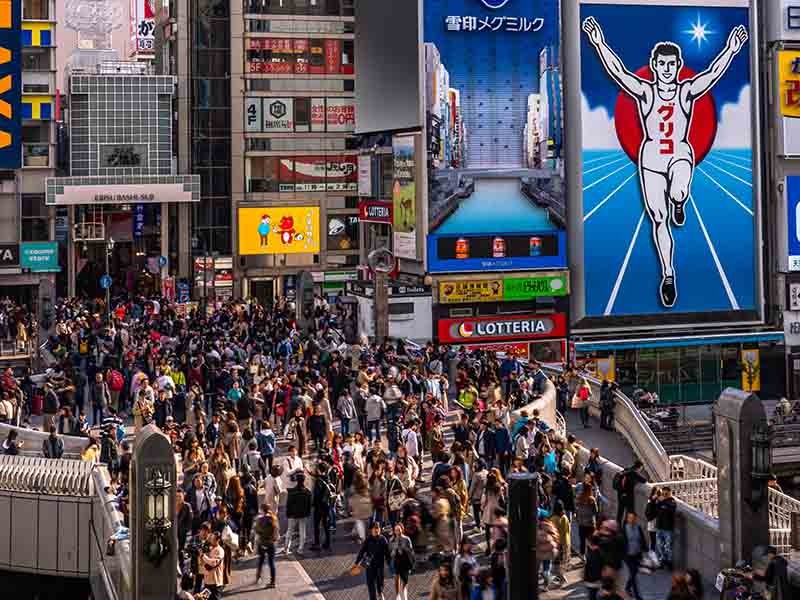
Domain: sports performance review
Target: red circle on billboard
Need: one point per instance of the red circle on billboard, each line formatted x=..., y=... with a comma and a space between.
x=702, y=128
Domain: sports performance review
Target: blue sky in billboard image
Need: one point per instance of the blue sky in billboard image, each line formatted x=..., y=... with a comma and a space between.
x=493, y=82
x=626, y=246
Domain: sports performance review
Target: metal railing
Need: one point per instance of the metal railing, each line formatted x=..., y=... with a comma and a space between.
x=686, y=467
x=630, y=424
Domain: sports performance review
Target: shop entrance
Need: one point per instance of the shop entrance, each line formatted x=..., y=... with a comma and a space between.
x=263, y=290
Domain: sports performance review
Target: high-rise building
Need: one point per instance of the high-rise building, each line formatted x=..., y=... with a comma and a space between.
x=265, y=113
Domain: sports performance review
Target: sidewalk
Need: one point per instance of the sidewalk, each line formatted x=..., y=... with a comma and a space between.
x=292, y=582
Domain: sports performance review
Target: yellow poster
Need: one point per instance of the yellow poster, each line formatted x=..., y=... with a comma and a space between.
x=605, y=368
x=751, y=370
x=279, y=230
x=789, y=82
x=487, y=290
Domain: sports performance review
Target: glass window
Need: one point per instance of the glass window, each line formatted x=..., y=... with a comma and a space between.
x=387, y=175
x=342, y=232
x=264, y=174
x=34, y=218
x=647, y=363
x=730, y=358
x=36, y=9
x=348, y=57
x=691, y=390
x=36, y=59
x=669, y=375
x=302, y=114
x=709, y=372
x=626, y=370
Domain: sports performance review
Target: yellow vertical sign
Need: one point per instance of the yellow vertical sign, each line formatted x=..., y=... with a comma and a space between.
x=789, y=82
x=751, y=370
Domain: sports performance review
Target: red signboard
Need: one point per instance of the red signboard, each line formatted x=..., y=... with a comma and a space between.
x=520, y=350
x=333, y=56
x=375, y=211
x=477, y=330
x=334, y=173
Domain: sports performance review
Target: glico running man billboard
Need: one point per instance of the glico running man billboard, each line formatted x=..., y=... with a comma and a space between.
x=494, y=120
x=669, y=215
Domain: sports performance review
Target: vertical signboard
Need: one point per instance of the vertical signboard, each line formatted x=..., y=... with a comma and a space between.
x=252, y=114
x=404, y=197
x=10, y=85
x=669, y=212
x=789, y=99
x=793, y=222
x=493, y=100
x=142, y=27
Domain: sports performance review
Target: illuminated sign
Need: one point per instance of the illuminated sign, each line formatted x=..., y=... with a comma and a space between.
x=499, y=328
x=142, y=27
x=279, y=230
x=10, y=85
x=375, y=211
x=487, y=290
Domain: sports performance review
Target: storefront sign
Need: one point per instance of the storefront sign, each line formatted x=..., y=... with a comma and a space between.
x=789, y=100
x=487, y=290
x=793, y=222
x=791, y=327
x=142, y=27
x=39, y=257
x=252, y=114
x=499, y=328
x=364, y=175
x=279, y=230
x=402, y=289
x=375, y=211
x=9, y=255
x=751, y=370
x=517, y=350
x=794, y=296
x=144, y=189
x=278, y=115
x=525, y=288
x=340, y=114
x=183, y=291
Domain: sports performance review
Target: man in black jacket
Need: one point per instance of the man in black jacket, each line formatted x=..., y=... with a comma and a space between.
x=322, y=498
x=485, y=444
x=625, y=484
x=183, y=510
x=374, y=554
x=298, y=509
x=665, y=525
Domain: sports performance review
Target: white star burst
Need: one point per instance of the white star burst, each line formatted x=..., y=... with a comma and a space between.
x=699, y=32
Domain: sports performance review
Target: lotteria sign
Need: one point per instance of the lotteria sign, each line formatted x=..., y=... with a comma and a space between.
x=489, y=329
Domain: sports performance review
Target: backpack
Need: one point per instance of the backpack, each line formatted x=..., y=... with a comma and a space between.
x=618, y=483
x=327, y=492
x=115, y=381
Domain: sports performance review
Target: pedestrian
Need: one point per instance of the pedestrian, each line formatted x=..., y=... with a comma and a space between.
x=213, y=567
x=624, y=484
x=267, y=535
x=402, y=555
x=100, y=397
x=444, y=586
x=650, y=513
x=317, y=428
x=376, y=408
x=346, y=409
x=273, y=487
x=635, y=547
x=562, y=524
x=53, y=446
x=586, y=513
x=265, y=441
x=580, y=401
x=476, y=486
x=464, y=555
x=323, y=497
x=298, y=509
x=665, y=525
x=372, y=557
x=11, y=445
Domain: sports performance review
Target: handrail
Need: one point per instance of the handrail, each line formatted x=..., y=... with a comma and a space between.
x=545, y=404
x=633, y=428
x=111, y=575
x=73, y=444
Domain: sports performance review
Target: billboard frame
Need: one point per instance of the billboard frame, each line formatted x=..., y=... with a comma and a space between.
x=573, y=147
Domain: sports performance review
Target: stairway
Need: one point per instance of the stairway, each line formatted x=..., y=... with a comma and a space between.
x=684, y=438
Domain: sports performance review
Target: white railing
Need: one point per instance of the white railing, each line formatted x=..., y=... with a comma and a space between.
x=48, y=476
x=700, y=494
x=561, y=426
x=781, y=507
x=685, y=467
x=781, y=539
x=629, y=422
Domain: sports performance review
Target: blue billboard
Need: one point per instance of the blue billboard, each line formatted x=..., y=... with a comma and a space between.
x=10, y=85
x=494, y=122
x=669, y=211
x=793, y=221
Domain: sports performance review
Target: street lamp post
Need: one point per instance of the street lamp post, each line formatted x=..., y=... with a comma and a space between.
x=109, y=250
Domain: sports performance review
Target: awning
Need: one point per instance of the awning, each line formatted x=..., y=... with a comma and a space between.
x=673, y=342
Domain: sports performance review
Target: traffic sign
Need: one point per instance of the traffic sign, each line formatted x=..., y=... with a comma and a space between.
x=162, y=261
x=105, y=282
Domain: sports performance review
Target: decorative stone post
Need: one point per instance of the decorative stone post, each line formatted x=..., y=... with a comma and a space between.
x=743, y=499
x=154, y=540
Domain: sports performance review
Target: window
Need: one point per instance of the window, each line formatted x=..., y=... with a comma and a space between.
x=302, y=114
x=401, y=308
x=342, y=232
x=36, y=10
x=387, y=175
x=34, y=218
x=36, y=59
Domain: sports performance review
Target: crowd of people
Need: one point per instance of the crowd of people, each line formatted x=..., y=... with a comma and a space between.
x=283, y=433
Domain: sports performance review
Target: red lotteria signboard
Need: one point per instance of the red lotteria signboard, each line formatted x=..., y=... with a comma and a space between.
x=476, y=330
x=375, y=211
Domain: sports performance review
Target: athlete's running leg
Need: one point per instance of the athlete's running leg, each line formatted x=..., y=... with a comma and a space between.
x=680, y=181
x=654, y=190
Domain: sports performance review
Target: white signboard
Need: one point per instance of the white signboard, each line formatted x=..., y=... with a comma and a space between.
x=142, y=27
x=794, y=296
x=364, y=175
x=791, y=327
x=340, y=114
x=123, y=194
x=278, y=115
x=252, y=114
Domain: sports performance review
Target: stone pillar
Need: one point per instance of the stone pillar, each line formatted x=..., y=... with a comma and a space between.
x=154, y=540
x=523, y=509
x=743, y=525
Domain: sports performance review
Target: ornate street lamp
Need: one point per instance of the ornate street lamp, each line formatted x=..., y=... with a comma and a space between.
x=761, y=467
x=157, y=513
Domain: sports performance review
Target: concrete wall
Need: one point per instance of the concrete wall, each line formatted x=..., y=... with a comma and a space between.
x=73, y=445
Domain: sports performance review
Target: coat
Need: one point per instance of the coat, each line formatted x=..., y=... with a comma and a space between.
x=214, y=566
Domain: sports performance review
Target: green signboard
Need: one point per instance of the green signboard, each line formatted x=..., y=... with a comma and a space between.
x=39, y=257
x=525, y=288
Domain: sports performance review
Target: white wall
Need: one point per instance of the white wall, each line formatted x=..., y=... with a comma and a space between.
x=417, y=326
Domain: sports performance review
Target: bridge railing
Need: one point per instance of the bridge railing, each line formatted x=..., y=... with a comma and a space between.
x=546, y=405
x=630, y=424
x=687, y=467
x=73, y=445
x=110, y=575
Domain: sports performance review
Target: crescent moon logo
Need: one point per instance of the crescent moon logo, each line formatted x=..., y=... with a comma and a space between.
x=465, y=330
x=495, y=4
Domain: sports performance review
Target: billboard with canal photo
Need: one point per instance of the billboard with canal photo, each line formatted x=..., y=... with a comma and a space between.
x=494, y=112
x=669, y=214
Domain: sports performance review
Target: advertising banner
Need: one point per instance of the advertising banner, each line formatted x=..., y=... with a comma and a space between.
x=404, y=197
x=669, y=210
x=340, y=114
x=39, y=257
x=518, y=350
x=364, y=175
x=335, y=173
x=502, y=328
x=789, y=100
x=751, y=370
x=142, y=27
x=279, y=230
x=493, y=93
x=10, y=92
x=318, y=114
x=252, y=115
x=278, y=115
x=527, y=288
x=375, y=211
x=793, y=221
x=487, y=290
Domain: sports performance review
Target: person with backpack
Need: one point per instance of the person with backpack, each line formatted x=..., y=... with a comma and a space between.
x=323, y=497
x=115, y=382
x=624, y=483
x=267, y=535
x=298, y=509
x=265, y=440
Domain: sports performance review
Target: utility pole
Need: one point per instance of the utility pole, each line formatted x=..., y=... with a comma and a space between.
x=381, y=261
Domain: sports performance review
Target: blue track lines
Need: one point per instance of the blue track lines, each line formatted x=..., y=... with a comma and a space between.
x=714, y=252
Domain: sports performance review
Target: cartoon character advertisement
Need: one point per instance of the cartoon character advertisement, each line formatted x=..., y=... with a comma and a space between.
x=279, y=230
x=669, y=211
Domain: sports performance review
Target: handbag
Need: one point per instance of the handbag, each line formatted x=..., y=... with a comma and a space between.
x=229, y=538
x=396, y=500
x=576, y=402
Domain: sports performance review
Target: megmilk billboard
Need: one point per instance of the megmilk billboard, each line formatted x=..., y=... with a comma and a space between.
x=669, y=210
x=494, y=120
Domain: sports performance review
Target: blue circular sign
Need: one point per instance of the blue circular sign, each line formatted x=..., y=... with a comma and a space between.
x=162, y=261
x=495, y=4
x=105, y=282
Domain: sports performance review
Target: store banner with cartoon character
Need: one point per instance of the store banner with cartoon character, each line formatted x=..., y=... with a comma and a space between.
x=279, y=230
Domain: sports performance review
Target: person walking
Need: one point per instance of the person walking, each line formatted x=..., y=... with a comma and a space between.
x=267, y=535
x=372, y=556
x=402, y=555
x=298, y=509
x=624, y=484
x=635, y=547
x=323, y=497
x=580, y=401
x=665, y=525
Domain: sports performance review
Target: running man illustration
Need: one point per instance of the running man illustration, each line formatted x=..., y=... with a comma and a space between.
x=666, y=159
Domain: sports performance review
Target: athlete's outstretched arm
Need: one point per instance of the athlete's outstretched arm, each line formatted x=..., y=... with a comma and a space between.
x=703, y=82
x=629, y=82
